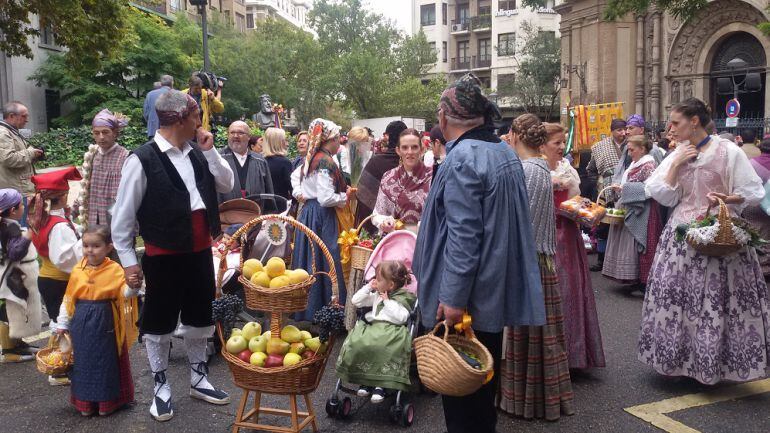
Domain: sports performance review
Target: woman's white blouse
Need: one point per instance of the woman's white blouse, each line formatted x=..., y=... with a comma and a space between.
x=319, y=186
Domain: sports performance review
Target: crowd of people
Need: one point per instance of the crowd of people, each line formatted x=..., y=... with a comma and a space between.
x=490, y=243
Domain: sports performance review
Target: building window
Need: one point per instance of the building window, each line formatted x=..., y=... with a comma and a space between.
x=462, y=51
x=550, y=34
x=505, y=84
x=506, y=5
x=463, y=14
x=485, y=49
x=52, y=106
x=506, y=44
x=444, y=51
x=444, y=13
x=433, y=48
x=240, y=22
x=175, y=5
x=428, y=15
x=47, y=36
x=250, y=21
x=486, y=82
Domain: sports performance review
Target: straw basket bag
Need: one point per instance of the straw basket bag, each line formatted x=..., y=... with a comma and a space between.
x=443, y=370
x=303, y=377
x=359, y=256
x=724, y=242
x=288, y=298
x=52, y=360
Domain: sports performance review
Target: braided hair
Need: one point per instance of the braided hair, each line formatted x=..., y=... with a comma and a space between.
x=530, y=130
x=395, y=271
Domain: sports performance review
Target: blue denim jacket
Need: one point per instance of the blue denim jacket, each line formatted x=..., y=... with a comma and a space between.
x=475, y=248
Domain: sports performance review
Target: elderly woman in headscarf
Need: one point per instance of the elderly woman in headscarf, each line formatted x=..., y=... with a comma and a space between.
x=322, y=188
x=101, y=169
x=369, y=183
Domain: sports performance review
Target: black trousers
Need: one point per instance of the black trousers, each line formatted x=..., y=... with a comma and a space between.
x=52, y=292
x=476, y=413
x=177, y=283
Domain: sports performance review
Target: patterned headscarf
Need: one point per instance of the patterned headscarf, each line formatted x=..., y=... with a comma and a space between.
x=465, y=100
x=109, y=119
x=168, y=118
x=9, y=198
x=635, y=120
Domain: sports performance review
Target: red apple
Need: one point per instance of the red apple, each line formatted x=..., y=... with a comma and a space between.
x=245, y=356
x=274, y=361
x=307, y=354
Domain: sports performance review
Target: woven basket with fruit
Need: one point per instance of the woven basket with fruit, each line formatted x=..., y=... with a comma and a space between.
x=57, y=358
x=614, y=216
x=718, y=235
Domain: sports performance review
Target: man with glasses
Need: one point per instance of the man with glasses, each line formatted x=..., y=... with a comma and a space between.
x=252, y=176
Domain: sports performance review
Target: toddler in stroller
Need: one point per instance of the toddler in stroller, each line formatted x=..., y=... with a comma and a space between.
x=377, y=353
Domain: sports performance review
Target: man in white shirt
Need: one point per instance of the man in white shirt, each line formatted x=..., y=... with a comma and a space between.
x=169, y=186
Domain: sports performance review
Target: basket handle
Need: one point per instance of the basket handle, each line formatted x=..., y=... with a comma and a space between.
x=304, y=229
x=723, y=216
x=600, y=197
x=54, y=341
x=467, y=331
x=364, y=221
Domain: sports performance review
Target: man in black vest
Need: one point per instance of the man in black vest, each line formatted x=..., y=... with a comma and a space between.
x=169, y=186
x=252, y=176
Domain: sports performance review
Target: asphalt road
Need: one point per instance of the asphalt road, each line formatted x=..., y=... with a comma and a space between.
x=29, y=404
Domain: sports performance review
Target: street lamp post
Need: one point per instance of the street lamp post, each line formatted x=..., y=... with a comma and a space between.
x=202, y=6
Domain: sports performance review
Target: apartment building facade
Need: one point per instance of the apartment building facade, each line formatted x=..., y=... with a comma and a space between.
x=479, y=36
x=234, y=11
x=294, y=12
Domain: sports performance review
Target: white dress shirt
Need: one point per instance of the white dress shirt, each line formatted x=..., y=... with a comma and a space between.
x=133, y=185
x=241, y=158
x=64, y=248
x=319, y=185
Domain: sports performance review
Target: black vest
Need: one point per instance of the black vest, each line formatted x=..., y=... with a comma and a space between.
x=165, y=217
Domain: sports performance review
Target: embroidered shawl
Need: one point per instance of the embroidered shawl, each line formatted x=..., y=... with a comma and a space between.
x=403, y=194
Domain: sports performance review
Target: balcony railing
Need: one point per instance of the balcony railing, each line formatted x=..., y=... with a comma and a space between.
x=459, y=26
x=481, y=22
x=461, y=63
x=484, y=61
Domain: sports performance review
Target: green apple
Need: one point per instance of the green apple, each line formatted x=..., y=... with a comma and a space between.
x=291, y=359
x=258, y=344
x=313, y=344
x=235, y=331
x=251, y=330
x=236, y=344
x=267, y=334
x=291, y=334
x=258, y=359
x=276, y=346
x=305, y=335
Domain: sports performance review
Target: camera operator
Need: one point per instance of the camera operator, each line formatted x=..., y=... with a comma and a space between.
x=209, y=102
x=16, y=156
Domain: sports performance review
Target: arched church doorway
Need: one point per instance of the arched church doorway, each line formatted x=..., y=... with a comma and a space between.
x=746, y=47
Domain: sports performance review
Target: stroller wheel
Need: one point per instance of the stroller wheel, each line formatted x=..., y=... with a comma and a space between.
x=407, y=415
x=345, y=408
x=332, y=407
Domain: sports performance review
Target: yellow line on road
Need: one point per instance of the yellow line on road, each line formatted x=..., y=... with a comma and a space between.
x=654, y=413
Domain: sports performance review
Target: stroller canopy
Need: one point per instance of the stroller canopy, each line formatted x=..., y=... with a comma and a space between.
x=398, y=245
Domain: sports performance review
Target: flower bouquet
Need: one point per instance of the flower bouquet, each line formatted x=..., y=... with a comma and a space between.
x=718, y=235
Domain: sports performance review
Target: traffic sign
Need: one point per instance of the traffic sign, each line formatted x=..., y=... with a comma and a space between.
x=733, y=108
x=731, y=122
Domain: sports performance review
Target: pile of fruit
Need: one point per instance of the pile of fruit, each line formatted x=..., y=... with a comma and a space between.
x=616, y=212
x=273, y=274
x=264, y=350
x=470, y=358
x=225, y=310
x=56, y=359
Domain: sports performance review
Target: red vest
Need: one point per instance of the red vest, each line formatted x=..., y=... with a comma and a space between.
x=40, y=239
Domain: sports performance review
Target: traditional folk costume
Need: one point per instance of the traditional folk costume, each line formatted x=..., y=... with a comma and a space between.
x=172, y=194
x=631, y=246
x=535, y=379
x=100, y=313
x=105, y=168
x=20, y=306
x=705, y=317
x=402, y=195
x=55, y=237
x=581, y=321
x=323, y=188
x=757, y=217
x=378, y=350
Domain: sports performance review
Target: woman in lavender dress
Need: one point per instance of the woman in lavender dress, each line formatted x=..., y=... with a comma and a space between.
x=704, y=317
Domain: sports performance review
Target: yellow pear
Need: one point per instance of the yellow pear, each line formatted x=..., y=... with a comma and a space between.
x=275, y=267
x=250, y=267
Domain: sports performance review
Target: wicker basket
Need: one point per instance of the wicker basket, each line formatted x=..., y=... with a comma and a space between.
x=443, y=370
x=613, y=219
x=53, y=346
x=359, y=256
x=303, y=377
x=285, y=299
x=724, y=242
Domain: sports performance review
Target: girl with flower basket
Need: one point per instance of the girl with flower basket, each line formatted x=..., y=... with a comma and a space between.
x=704, y=317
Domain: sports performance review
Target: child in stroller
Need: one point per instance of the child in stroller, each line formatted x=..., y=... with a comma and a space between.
x=377, y=353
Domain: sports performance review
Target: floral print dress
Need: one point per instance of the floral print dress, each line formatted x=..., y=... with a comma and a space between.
x=705, y=317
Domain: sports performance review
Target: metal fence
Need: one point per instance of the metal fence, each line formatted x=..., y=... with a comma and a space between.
x=759, y=124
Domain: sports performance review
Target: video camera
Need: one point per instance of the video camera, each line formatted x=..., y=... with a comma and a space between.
x=210, y=80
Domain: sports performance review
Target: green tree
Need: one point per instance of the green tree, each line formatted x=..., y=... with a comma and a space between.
x=90, y=29
x=120, y=82
x=538, y=61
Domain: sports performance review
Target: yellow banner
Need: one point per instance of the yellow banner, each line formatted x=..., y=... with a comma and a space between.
x=593, y=122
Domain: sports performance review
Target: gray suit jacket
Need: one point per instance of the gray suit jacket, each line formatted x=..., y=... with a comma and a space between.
x=258, y=180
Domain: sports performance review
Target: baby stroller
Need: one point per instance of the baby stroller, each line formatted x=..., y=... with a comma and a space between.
x=398, y=245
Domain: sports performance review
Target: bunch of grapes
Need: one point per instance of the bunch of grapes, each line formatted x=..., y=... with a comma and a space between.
x=225, y=309
x=330, y=318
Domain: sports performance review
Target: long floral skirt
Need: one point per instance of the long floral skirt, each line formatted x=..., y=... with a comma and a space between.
x=534, y=373
x=581, y=321
x=705, y=317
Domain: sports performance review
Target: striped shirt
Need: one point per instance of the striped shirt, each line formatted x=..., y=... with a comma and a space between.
x=105, y=178
x=541, y=207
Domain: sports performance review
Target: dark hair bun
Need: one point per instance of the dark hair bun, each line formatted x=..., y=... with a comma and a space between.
x=530, y=130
